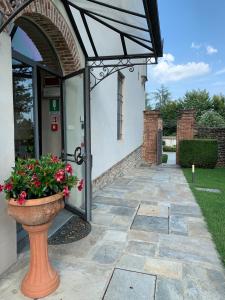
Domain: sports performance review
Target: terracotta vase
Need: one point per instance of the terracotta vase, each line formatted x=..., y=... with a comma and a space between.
x=36, y=215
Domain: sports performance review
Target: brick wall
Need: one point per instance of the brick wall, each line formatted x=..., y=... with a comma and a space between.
x=185, y=128
x=219, y=135
x=50, y=21
x=152, y=123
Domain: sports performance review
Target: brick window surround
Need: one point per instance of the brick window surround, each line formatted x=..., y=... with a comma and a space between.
x=45, y=15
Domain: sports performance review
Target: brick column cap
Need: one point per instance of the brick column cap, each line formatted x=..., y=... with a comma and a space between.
x=155, y=112
x=186, y=112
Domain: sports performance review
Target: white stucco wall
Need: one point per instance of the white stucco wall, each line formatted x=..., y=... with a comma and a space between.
x=106, y=149
x=7, y=225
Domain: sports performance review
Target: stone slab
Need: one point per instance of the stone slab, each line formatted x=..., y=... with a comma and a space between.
x=155, y=224
x=168, y=289
x=178, y=225
x=185, y=210
x=216, y=191
x=201, y=284
x=129, y=285
x=138, y=235
x=123, y=211
x=116, y=201
x=141, y=248
x=131, y=262
x=153, y=210
x=166, y=268
x=108, y=252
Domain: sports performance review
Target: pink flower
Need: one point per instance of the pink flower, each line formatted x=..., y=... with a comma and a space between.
x=8, y=187
x=23, y=195
x=21, y=200
x=30, y=167
x=66, y=191
x=60, y=175
x=37, y=183
x=80, y=185
x=69, y=169
x=1, y=188
x=34, y=177
x=54, y=158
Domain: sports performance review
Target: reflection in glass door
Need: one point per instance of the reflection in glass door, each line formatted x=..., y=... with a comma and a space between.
x=23, y=110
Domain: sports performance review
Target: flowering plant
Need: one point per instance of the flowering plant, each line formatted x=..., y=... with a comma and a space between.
x=31, y=179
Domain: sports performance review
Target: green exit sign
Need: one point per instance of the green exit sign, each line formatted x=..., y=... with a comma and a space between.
x=54, y=105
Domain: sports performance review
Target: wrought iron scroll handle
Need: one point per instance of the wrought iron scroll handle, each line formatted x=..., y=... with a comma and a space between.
x=78, y=157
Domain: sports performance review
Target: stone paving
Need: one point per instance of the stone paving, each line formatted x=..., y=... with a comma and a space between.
x=148, y=241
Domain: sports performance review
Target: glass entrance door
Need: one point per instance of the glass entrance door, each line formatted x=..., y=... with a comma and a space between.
x=75, y=141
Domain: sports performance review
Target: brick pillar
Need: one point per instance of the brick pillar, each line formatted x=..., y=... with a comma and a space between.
x=185, y=128
x=152, y=123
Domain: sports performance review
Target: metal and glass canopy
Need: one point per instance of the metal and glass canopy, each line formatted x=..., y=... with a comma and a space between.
x=131, y=26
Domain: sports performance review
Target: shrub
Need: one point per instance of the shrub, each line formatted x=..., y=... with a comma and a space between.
x=164, y=158
x=169, y=148
x=200, y=152
x=211, y=119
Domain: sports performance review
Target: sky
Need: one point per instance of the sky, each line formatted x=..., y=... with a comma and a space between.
x=194, y=47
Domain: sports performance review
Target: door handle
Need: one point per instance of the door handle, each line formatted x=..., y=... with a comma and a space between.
x=78, y=157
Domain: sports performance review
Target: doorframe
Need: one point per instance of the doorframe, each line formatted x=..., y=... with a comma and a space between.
x=87, y=140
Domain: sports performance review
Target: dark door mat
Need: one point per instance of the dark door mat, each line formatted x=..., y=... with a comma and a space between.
x=74, y=230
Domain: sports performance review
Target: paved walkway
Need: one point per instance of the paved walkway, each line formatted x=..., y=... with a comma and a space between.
x=171, y=158
x=148, y=241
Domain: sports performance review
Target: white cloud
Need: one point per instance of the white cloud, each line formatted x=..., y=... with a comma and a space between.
x=211, y=50
x=195, y=46
x=167, y=70
x=220, y=72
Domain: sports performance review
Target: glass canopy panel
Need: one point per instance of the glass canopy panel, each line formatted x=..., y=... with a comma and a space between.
x=99, y=33
x=126, y=24
x=83, y=32
x=132, y=47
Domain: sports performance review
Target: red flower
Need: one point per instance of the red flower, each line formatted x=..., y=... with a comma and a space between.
x=60, y=175
x=34, y=177
x=21, y=200
x=1, y=187
x=69, y=169
x=66, y=191
x=54, y=158
x=23, y=195
x=30, y=167
x=8, y=187
x=80, y=185
x=37, y=183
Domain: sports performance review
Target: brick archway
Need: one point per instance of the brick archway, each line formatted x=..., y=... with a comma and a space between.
x=45, y=15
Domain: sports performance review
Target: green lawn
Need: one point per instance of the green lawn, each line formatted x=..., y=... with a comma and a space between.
x=212, y=205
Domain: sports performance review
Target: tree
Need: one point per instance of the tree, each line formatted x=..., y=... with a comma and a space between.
x=161, y=96
x=218, y=104
x=198, y=100
x=147, y=101
x=169, y=113
x=211, y=119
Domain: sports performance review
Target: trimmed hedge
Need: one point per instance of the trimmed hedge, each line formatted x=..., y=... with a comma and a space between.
x=203, y=153
x=164, y=158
